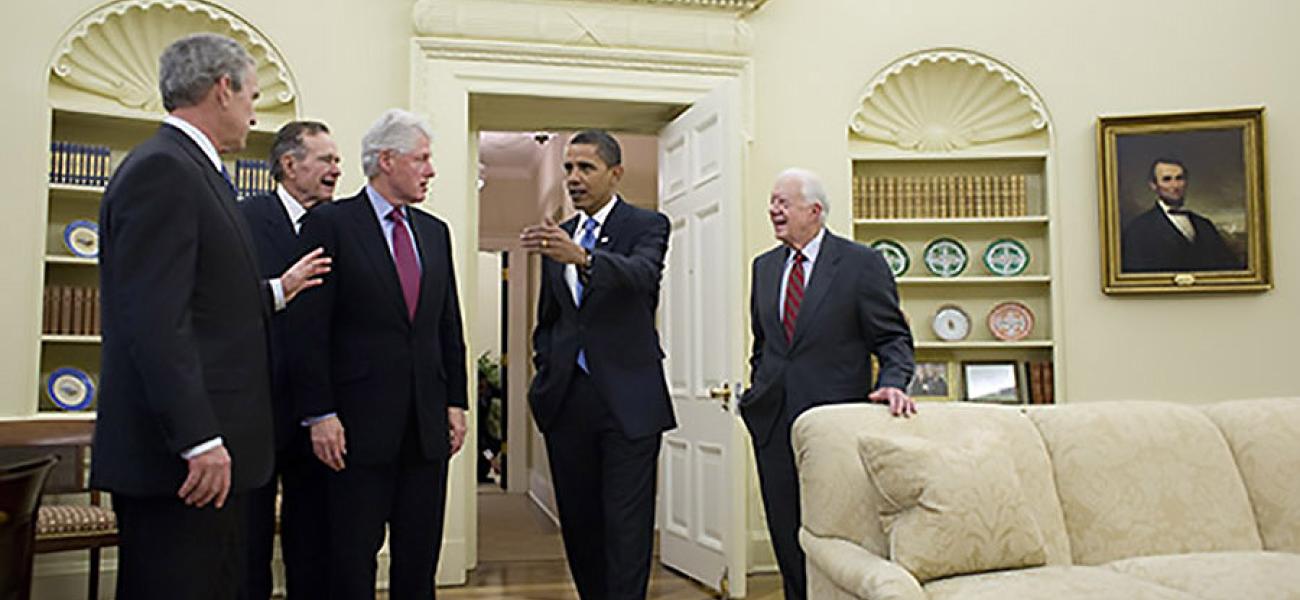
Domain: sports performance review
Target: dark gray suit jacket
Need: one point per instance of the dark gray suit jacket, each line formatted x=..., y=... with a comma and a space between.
x=850, y=311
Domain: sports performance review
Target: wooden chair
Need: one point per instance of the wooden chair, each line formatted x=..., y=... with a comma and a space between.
x=64, y=526
x=20, y=499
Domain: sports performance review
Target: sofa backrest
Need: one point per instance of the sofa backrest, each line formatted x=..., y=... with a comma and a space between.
x=840, y=501
x=1265, y=439
x=1144, y=478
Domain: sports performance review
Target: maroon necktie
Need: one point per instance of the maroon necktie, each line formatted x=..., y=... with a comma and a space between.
x=793, y=296
x=408, y=271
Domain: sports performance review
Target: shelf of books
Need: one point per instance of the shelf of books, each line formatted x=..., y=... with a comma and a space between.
x=969, y=243
x=85, y=148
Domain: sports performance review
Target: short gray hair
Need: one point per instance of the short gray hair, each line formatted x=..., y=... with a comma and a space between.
x=810, y=187
x=190, y=67
x=396, y=129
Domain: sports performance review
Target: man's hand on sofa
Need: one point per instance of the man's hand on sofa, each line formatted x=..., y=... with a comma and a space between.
x=900, y=404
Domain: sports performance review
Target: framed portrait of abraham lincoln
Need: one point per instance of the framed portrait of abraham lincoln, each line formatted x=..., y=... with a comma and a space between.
x=1182, y=202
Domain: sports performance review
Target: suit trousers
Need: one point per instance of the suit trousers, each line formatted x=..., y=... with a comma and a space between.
x=300, y=479
x=605, y=492
x=779, y=483
x=409, y=496
x=170, y=551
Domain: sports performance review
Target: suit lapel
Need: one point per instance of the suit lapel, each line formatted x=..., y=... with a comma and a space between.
x=770, y=269
x=370, y=236
x=823, y=273
x=225, y=196
x=558, y=282
x=277, y=219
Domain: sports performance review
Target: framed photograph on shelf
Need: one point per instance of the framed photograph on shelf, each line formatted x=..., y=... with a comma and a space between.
x=991, y=381
x=932, y=381
x=1182, y=202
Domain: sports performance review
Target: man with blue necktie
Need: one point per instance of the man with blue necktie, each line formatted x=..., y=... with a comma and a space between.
x=599, y=395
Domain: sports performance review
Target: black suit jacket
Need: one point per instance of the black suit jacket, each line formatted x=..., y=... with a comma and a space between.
x=850, y=311
x=277, y=250
x=615, y=326
x=1152, y=243
x=185, y=324
x=356, y=351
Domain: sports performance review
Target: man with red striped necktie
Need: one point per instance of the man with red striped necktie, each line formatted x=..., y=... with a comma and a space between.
x=814, y=347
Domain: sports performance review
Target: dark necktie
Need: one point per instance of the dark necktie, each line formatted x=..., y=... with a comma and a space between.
x=587, y=241
x=408, y=270
x=226, y=175
x=793, y=296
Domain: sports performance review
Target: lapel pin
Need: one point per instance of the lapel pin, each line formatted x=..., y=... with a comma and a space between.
x=604, y=240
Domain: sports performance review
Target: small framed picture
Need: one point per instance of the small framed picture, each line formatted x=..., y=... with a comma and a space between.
x=932, y=381
x=991, y=381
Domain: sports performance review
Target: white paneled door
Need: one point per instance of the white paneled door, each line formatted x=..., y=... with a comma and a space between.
x=704, y=461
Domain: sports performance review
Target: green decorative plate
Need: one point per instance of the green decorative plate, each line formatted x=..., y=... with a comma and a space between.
x=895, y=256
x=945, y=257
x=1006, y=257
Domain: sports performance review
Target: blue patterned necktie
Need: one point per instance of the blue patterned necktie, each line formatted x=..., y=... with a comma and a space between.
x=587, y=241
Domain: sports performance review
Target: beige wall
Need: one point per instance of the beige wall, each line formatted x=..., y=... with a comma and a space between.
x=350, y=60
x=814, y=57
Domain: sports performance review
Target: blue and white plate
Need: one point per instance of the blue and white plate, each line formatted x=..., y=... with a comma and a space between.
x=70, y=388
x=81, y=238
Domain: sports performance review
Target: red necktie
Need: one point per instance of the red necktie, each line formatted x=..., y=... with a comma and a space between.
x=793, y=295
x=408, y=271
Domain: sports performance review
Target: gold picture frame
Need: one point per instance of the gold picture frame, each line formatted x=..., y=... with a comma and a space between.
x=1182, y=202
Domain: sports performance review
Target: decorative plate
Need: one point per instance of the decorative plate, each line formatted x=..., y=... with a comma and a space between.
x=895, y=256
x=1006, y=257
x=1011, y=321
x=945, y=257
x=81, y=238
x=951, y=323
x=70, y=389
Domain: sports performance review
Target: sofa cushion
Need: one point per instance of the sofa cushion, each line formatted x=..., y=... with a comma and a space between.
x=840, y=502
x=1051, y=583
x=1221, y=575
x=1265, y=439
x=951, y=508
x=1144, y=478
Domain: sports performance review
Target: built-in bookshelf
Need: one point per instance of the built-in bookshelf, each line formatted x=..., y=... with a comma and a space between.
x=960, y=177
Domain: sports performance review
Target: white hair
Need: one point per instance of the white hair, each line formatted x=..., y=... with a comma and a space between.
x=396, y=129
x=810, y=187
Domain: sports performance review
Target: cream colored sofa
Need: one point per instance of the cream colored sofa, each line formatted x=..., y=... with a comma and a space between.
x=1108, y=500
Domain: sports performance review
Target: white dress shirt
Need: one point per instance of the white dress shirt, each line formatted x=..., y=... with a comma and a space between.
x=1182, y=222
x=291, y=207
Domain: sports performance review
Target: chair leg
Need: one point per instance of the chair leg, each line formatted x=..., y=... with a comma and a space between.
x=93, y=585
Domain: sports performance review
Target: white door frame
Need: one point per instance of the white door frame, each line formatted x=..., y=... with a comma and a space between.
x=445, y=72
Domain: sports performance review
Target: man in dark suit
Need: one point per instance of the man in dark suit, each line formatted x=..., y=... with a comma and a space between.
x=599, y=395
x=1169, y=237
x=305, y=165
x=379, y=366
x=184, y=423
x=820, y=307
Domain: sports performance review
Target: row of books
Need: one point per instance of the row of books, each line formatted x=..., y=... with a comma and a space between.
x=1040, y=381
x=71, y=310
x=253, y=177
x=79, y=164
x=939, y=197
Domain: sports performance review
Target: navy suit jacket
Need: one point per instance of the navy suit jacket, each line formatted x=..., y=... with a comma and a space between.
x=850, y=311
x=357, y=353
x=185, y=324
x=277, y=250
x=615, y=326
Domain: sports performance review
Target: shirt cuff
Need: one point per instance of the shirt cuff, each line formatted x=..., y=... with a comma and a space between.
x=201, y=448
x=309, y=421
x=277, y=292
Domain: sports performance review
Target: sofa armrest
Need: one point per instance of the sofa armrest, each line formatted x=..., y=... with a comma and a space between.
x=858, y=571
